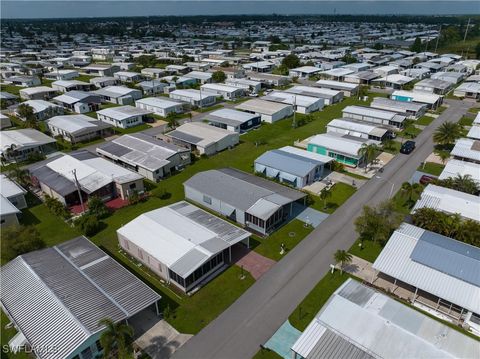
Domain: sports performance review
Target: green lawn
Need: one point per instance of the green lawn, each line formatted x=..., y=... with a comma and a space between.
x=123, y=131
x=466, y=121
x=431, y=168
x=266, y=354
x=14, y=90
x=410, y=133
x=53, y=230
x=197, y=311
x=290, y=234
x=209, y=108
x=368, y=251
x=314, y=301
x=424, y=120
x=394, y=148
x=5, y=336
x=340, y=193
x=84, y=78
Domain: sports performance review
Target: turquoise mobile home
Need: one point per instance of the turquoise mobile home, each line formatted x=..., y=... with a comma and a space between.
x=343, y=149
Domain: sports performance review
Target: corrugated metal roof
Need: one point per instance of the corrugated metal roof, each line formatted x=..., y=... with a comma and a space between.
x=465, y=148
x=454, y=258
x=395, y=260
x=358, y=322
x=57, y=296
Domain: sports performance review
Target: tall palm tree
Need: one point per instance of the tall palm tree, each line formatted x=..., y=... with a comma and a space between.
x=465, y=184
x=444, y=156
x=343, y=257
x=411, y=192
x=447, y=133
x=116, y=339
x=324, y=195
x=368, y=152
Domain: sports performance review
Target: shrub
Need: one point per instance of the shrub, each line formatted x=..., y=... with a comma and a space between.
x=17, y=240
x=89, y=224
x=56, y=207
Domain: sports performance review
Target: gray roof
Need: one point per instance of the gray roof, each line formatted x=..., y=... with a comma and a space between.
x=59, y=184
x=359, y=322
x=240, y=189
x=288, y=162
x=70, y=288
x=230, y=117
x=383, y=103
x=140, y=150
x=448, y=256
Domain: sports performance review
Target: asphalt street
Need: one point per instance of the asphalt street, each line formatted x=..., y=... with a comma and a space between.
x=260, y=311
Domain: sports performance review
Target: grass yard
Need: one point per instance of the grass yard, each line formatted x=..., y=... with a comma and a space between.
x=266, y=354
x=432, y=168
x=5, y=336
x=53, y=230
x=394, y=148
x=369, y=250
x=340, y=193
x=209, y=108
x=14, y=90
x=466, y=121
x=84, y=78
x=290, y=234
x=424, y=120
x=314, y=301
x=195, y=312
x=123, y=131
x=409, y=133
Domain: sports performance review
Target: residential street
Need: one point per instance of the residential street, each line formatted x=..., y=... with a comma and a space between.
x=257, y=314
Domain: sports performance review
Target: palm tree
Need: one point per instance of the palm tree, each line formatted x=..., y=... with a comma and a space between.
x=447, y=133
x=465, y=184
x=11, y=152
x=368, y=152
x=411, y=192
x=116, y=339
x=20, y=176
x=343, y=257
x=325, y=193
x=444, y=156
x=172, y=120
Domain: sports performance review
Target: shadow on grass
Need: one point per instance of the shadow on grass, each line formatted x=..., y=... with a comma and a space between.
x=28, y=218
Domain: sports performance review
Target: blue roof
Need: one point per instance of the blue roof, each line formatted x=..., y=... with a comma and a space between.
x=448, y=256
x=288, y=162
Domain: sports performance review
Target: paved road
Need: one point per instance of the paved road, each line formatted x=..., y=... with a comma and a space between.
x=256, y=315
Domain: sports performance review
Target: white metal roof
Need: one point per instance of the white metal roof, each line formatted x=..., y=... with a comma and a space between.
x=337, y=84
x=123, y=112
x=35, y=90
x=291, y=99
x=191, y=93
x=469, y=87
x=455, y=167
x=474, y=132
x=359, y=322
x=9, y=188
x=395, y=260
x=205, y=133
x=314, y=91
x=39, y=105
x=115, y=172
x=337, y=72
x=170, y=233
x=417, y=96
x=73, y=123
x=262, y=106
x=160, y=102
x=306, y=69
x=372, y=112
x=357, y=126
x=6, y=207
x=219, y=87
x=339, y=143
x=26, y=137
x=467, y=148
x=450, y=201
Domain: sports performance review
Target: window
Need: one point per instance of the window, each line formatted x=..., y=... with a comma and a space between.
x=87, y=353
x=133, y=186
x=98, y=345
x=207, y=199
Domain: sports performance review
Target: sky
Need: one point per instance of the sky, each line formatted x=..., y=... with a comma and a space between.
x=105, y=8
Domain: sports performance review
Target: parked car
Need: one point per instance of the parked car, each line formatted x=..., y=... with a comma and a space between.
x=426, y=179
x=407, y=147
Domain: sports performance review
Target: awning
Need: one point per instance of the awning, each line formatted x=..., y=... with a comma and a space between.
x=260, y=168
x=271, y=172
x=288, y=177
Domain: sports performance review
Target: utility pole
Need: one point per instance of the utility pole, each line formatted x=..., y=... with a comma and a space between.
x=78, y=189
x=438, y=38
x=294, y=123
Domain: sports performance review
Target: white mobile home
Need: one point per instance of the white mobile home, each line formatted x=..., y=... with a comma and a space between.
x=123, y=116
x=301, y=103
x=193, y=97
x=270, y=112
x=160, y=106
x=225, y=91
x=373, y=115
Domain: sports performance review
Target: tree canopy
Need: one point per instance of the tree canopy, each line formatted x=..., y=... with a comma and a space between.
x=18, y=240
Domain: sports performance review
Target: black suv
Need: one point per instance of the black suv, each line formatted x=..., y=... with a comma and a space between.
x=407, y=147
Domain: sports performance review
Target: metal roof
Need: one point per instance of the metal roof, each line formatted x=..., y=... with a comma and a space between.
x=159, y=102
x=200, y=134
x=396, y=261
x=77, y=124
x=140, y=150
x=455, y=167
x=292, y=99
x=417, y=96
x=313, y=91
x=359, y=322
x=262, y=106
x=70, y=288
x=466, y=148
x=449, y=201
x=347, y=145
x=23, y=138
x=10, y=188
x=383, y=103
x=372, y=112
x=180, y=235
x=230, y=117
x=240, y=189
x=297, y=164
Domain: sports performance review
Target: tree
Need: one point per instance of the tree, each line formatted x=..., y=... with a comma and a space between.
x=97, y=208
x=368, y=152
x=26, y=113
x=378, y=46
x=324, y=195
x=20, y=176
x=3, y=104
x=462, y=183
x=349, y=59
x=89, y=224
x=343, y=257
x=378, y=223
x=411, y=192
x=291, y=61
x=444, y=155
x=17, y=240
x=477, y=51
x=172, y=120
x=116, y=339
x=218, y=76
x=388, y=144
x=447, y=133
x=56, y=207
x=417, y=45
